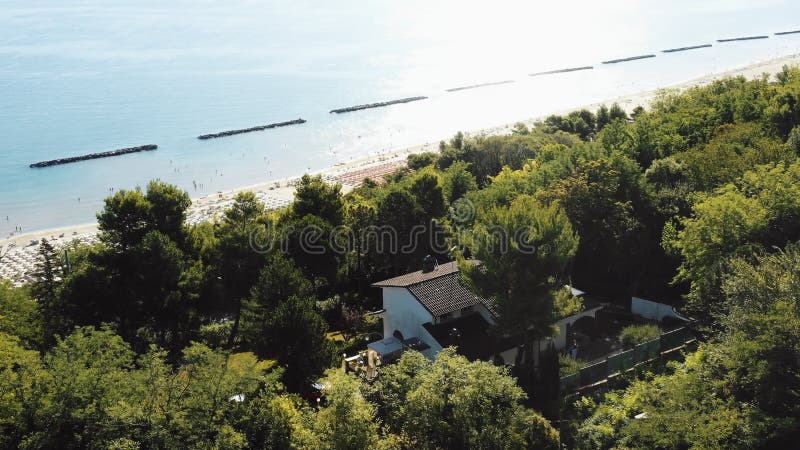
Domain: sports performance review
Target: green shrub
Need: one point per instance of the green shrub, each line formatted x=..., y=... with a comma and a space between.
x=418, y=161
x=567, y=365
x=215, y=335
x=794, y=139
x=636, y=334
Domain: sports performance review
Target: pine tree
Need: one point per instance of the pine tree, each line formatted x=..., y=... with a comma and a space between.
x=45, y=288
x=45, y=276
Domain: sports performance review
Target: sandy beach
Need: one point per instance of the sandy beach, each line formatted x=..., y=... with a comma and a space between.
x=20, y=250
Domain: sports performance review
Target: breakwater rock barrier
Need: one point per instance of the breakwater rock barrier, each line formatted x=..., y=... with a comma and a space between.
x=475, y=86
x=251, y=129
x=569, y=69
x=745, y=38
x=630, y=58
x=121, y=151
x=683, y=49
x=377, y=105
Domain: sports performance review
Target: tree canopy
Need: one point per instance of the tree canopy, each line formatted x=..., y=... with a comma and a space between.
x=169, y=335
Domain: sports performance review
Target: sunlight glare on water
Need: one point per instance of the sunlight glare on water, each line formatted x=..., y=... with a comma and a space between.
x=81, y=77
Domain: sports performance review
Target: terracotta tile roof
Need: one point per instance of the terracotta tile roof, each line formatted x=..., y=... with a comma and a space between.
x=440, y=291
x=445, y=294
x=420, y=276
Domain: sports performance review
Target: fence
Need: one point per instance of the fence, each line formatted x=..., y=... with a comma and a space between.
x=626, y=360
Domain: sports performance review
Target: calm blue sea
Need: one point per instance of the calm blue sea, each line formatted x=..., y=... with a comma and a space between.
x=85, y=76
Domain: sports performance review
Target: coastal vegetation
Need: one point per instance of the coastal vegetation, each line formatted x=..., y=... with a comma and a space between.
x=164, y=335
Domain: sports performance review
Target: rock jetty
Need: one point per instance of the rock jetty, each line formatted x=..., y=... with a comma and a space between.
x=683, y=49
x=122, y=151
x=377, y=105
x=475, y=86
x=250, y=130
x=746, y=38
x=630, y=58
x=570, y=69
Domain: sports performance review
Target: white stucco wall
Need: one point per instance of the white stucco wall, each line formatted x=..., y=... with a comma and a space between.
x=509, y=356
x=404, y=313
x=653, y=310
x=560, y=339
x=428, y=339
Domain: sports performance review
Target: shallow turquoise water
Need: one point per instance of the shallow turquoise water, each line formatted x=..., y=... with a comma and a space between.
x=80, y=77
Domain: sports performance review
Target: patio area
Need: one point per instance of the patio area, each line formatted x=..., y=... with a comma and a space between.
x=599, y=337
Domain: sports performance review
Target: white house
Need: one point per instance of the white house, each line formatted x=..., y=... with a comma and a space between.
x=431, y=309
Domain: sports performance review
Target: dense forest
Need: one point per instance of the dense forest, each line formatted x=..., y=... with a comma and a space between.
x=164, y=335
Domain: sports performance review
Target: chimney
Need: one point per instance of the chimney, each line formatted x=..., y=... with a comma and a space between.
x=429, y=264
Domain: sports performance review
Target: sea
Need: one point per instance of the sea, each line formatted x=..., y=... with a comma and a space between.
x=79, y=77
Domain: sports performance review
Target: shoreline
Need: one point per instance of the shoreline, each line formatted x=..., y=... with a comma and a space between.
x=279, y=193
